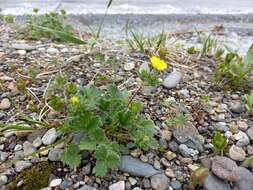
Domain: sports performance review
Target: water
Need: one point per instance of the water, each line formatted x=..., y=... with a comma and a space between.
x=19, y=7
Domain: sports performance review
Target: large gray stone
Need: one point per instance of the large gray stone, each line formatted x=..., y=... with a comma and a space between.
x=214, y=183
x=246, y=179
x=135, y=167
x=225, y=168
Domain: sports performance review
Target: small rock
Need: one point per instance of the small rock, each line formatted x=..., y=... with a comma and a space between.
x=3, y=180
x=66, y=184
x=132, y=181
x=243, y=139
x=55, y=182
x=49, y=137
x=135, y=167
x=214, y=183
x=52, y=50
x=237, y=153
x=22, y=47
x=195, y=144
x=21, y=52
x=184, y=133
x=188, y=152
x=225, y=168
x=37, y=142
x=250, y=133
x=237, y=107
x=172, y=80
x=87, y=187
x=169, y=172
x=176, y=185
x=117, y=186
x=54, y=154
x=146, y=183
x=28, y=148
x=165, y=134
x=5, y=104
x=18, y=147
x=246, y=179
x=129, y=66
x=21, y=165
x=160, y=182
x=242, y=125
x=170, y=155
x=144, y=67
x=2, y=116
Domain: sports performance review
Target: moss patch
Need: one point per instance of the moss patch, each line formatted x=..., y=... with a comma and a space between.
x=34, y=178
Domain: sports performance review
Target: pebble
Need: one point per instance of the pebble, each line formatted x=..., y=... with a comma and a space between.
x=242, y=139
x=188, y=152
x=2, y=116
x=52, y=50
x=18, y=147
x=22, y=46
x=146, y=183
x=117, y=186
x=54, y=154
x=237, y=153
x=214, y=183
x=169, y=172
x=246, y=180
x=28, y=148
x=132, y=181
x=21, y=52
x=21, y=165
x=87, y=187
x=184, y=133
x=129, y=66
x=195, y=144
x=37, y=142
x=159, y=182
x=66, y=184
x=165, y=134
x=172, y=80
x=49, y=137
x=3, y=180
x=242, y=125
x=5, y=104
x=250, y=133
x=237, y=107
x=170, y=155
x=176, y=184
x=55, y=182
x=135, y=167
x=225, y=168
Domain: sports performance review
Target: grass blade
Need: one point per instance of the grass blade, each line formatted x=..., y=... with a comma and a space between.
x=63, y=35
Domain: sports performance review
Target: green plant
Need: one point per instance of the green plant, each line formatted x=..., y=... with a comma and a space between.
x=234, y=71
x=54, y=20
x=219, y=143
x=209, y=43
x=108, y=119
x=148, y=79
x=248, y=101
x=178, y=120
x=138, y=42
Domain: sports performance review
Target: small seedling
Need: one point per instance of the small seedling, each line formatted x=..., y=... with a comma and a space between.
x=219, y=143
x=178, y=120
x=248, y=102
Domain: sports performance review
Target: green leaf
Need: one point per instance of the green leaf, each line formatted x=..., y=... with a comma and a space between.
x=219, y=142
x=109, y=4
x=113, y=160
x=62, y=35
x=87, y=145
x=101, y=168
x=71, y=156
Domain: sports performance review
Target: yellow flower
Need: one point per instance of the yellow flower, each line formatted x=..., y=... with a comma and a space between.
x=158, y=63
x=74, y=100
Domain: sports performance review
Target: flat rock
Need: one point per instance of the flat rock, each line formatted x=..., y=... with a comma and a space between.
x=52, y=50
x=160, y=182
x=28, y=148
x=188, y=152
x=21, y=165
x=3, y=180
x=23, y=46
x=246, y=179
x=5, y=104
x=55, y=182
x=117, y=186
x=237, y=153
x=172, y=80
x=225, y=168
x=184, y=133
x=49, y=137
x=136, y=167
x=214, y=183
